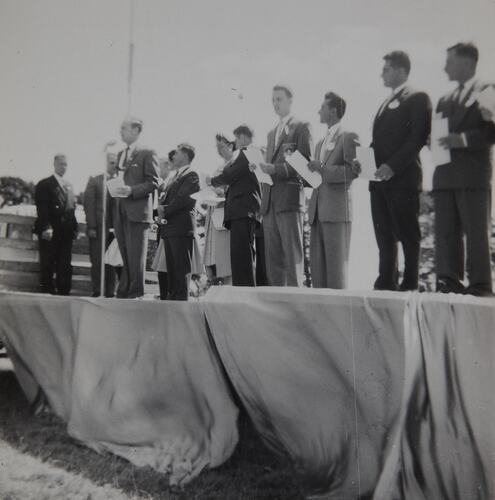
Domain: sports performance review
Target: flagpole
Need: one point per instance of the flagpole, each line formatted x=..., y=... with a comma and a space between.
x=131, y=57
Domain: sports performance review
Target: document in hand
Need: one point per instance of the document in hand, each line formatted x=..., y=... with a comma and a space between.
x=297, y=161
x=254, y=156
x=113, y=185
x=486, y=99
x=207, y=197
x=366, y=157
x=439, y=129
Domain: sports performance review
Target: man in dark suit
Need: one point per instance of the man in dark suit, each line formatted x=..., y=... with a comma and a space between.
x=176, y=214
x=242, y=205
x=330, y=206
x=462, y=188
x=283, y=203
x=93, y=208
x=56, y=227
x=133, y=212
x=400, y=130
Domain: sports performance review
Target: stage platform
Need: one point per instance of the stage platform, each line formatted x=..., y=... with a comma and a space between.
x=370, y=393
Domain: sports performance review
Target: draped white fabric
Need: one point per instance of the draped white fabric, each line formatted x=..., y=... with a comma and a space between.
x=369, y=393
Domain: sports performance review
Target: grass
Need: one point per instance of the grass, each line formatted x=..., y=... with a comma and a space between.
x=253, y=472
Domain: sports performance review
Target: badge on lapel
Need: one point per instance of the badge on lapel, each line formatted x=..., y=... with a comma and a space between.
x=330, y=146
x=394, y=104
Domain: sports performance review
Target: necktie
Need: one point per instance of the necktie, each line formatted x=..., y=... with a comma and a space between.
x=324, y=146
x=126, y=157
x=279, y=131
x=458, y=97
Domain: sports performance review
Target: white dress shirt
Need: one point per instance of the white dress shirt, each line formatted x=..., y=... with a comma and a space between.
x=130, y=149
x=329, y=139
x=280, y=127
x=391, y=97
x=63, y=184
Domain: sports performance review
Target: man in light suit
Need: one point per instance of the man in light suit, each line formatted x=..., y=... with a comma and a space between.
x=330, y=206
x=462, y=188
x=134, y=208
x=93, y=208
x=177, y=222
x=283, y=202
x=56, y=227
x=400, y=130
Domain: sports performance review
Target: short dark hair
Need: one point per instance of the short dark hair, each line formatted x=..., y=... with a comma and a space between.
x=243, y=130
x=398, y=59
x=59, y=156
x=284, y=88
x=171, y=154
x=468, y=50
x=336, y=102
x=222, y=138
x=188, y=149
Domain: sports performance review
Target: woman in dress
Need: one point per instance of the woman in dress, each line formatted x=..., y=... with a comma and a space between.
x=217, y=238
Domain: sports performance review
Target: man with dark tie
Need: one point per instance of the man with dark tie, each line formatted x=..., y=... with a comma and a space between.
x=462, y=188
x=177, y=222
x=242, y=205
x=283, y=202
x=330, y=205
x=400, y=130
x=93, y=208
x=133, y=211
x=56, y=227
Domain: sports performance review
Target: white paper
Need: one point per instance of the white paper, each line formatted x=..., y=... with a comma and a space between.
x=486, y=99
x=366, y=157
x=255, y=156
x=297, y=161
x=207, y=197
x=113, y=185
x=439, y=129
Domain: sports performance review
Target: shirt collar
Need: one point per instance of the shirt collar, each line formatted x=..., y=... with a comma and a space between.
x=132, y=147
x=398, y=89
x=182, y=169
x=285, y=120
x=468, y=85
x=333, y=130
x=60, y=180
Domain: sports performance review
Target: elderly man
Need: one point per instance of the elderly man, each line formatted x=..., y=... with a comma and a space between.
x=133, y=212
x=56, y=227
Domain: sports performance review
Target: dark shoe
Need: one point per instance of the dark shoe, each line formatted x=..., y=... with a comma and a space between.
x=95, y=294
x=446, y=285
x=478, y=291
x=404, y=287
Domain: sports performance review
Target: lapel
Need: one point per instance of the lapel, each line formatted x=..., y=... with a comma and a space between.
x=175, y=180
x=397, y=97
x=61, y=192
x=460, y=110
x=283, y=136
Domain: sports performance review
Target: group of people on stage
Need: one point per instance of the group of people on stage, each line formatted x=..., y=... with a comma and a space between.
x=256, y=236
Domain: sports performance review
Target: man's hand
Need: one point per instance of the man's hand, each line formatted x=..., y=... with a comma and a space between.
x=315, y=166
x=356, y=167
x=384, y=173
x=92, y=234
x=123, y=192
x=47, y=234
x=267, y=168
x=452, y=141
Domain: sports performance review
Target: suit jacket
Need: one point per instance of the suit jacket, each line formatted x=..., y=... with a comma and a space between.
x=399, y=134
x=287, y=190
x=243, y=197
x=470, y=167
x=331, y=201
x=55, y=208
x=179, y=206
x=141, y=174
x=93, y=204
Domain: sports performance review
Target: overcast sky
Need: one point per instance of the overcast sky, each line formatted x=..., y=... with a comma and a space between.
x=64, y=69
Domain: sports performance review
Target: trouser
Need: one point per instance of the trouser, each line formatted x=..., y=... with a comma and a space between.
x=283, y=233
x=459, y=213
x=163, y=284
x=329, y=254
x=395, y=215
x=55, y=258
x=95, y=258
x=242, y=251
x=259, y=244
x=178, y=252
x=132, y=238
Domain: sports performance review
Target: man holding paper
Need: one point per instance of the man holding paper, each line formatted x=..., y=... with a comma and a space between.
x=242, y=205
x=330, y=206
x=283, y=202
x=400, y=130
x=462, y=187
x=133, y=212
